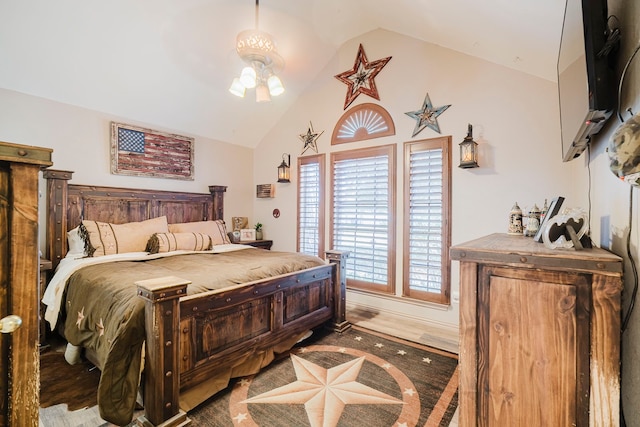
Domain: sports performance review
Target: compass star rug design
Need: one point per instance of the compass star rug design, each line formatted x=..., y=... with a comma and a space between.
x=357, y=378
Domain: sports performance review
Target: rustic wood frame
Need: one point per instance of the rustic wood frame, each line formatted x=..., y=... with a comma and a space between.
x=444, y=143
x=359, y=153
x=293, y=302
x=124, y=163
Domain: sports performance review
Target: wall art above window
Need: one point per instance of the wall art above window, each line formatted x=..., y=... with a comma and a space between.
x=364, y=121
x=360, y=79
x=145, y=152
x=309, y=139
x=427, y=116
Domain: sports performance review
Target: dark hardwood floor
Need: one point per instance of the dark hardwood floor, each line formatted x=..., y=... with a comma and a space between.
x=75, y=385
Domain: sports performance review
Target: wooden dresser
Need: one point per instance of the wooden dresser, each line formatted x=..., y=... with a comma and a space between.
x=19, y=351
x=539, y=334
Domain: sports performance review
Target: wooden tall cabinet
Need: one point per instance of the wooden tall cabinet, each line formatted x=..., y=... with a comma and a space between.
x=539, y=334
x=19, y=350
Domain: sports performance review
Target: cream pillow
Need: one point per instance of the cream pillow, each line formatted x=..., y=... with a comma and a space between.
x=216, y=229
x=103, y=238
x=167, y=242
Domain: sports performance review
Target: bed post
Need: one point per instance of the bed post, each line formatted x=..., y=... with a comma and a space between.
x=57, y=214
x=162, y=368
x=339, y=323
x=217, y=191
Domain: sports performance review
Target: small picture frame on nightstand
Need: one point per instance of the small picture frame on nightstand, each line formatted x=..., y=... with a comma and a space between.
x=247, y=234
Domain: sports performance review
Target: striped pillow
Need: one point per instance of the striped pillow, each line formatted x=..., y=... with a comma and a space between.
x=168, y=242
x=103, y=238
x=216, y=229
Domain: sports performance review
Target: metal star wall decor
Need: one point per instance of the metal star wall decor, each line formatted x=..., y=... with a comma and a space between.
x=427, y=116
x=360, y=79
x=309, y=139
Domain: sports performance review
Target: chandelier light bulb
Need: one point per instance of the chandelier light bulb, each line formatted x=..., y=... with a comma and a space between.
x=248, y=77
x=262, y=93
x=275, y=86
x=237, y=88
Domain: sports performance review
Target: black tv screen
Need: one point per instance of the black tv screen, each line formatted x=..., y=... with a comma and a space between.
x=586, y=87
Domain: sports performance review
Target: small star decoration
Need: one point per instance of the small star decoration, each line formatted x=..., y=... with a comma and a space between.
x=427, y=116
x=360, y=78
x=80, y=317
x=309, y=139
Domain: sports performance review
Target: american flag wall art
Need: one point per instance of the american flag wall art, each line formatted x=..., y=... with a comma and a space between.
x=145, y=152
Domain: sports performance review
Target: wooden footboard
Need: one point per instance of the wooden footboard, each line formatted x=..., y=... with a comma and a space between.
x=189, y=338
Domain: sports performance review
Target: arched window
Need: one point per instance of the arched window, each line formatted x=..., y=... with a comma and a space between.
x=364, y=121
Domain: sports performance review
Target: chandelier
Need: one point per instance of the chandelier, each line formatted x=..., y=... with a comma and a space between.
x=258, y=50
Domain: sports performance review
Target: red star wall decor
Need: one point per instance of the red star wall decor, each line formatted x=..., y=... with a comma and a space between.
x=360, y=79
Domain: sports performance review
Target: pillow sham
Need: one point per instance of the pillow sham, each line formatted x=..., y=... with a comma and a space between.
x=103, y=238
x=216, y=229
x=167, y=242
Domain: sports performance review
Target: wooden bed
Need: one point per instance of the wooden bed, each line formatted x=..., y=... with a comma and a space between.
x=174, y=358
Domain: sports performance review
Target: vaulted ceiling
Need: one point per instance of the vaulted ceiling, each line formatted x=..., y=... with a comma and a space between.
x=170, y=62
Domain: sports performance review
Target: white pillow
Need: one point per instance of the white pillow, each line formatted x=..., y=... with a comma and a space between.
x=75, y=243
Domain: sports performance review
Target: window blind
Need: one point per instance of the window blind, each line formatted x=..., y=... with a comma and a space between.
x=361, y=201
x=425, y=220
x=309, y=194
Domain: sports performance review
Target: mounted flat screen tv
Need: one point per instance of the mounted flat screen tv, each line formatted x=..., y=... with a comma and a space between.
x=586, y=84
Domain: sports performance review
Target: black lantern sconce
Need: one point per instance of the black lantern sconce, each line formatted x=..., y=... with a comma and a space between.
x=284, y=169
x=468, y=151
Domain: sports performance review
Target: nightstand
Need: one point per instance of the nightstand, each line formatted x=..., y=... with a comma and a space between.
x=45, y=267
x=262, y=244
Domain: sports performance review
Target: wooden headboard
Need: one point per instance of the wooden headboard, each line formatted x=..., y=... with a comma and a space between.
x=68, y=204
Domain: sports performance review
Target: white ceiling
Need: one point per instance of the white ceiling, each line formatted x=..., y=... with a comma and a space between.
x=169, y=63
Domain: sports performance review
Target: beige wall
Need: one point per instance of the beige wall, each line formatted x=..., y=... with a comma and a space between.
x=80, y=140
x=515, y=122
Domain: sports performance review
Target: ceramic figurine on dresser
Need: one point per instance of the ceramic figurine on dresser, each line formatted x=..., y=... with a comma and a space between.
x=533, y=221
x=515, y=220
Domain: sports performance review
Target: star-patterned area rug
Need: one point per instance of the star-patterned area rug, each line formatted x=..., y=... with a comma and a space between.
x=355, y=378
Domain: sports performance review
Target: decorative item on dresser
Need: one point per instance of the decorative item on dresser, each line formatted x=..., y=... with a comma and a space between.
x=19, y=375
x=539, y=334
x=247, y=235
x=258, y=228
x=190, y=338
